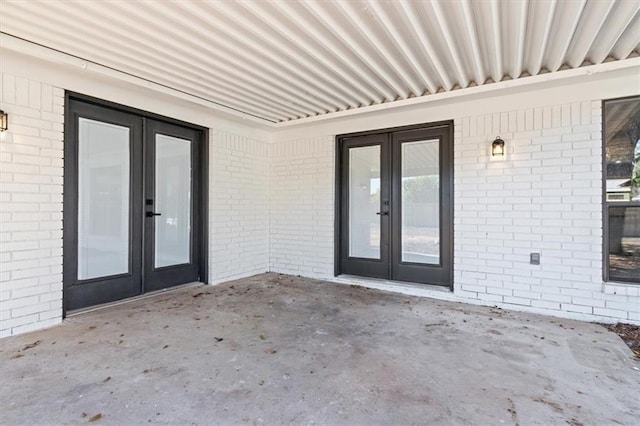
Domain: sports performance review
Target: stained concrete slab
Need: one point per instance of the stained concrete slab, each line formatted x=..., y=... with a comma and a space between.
x=277, y=349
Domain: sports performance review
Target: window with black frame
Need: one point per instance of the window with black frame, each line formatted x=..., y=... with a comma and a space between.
x=622, y=189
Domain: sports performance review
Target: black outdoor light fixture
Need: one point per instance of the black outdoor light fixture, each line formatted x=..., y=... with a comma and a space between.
x=4, y=121
x=497, y=148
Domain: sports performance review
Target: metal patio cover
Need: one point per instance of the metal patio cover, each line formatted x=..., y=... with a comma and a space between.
x=282, y=61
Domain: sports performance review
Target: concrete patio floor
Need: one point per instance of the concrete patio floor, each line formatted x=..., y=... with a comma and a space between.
x=277, y=349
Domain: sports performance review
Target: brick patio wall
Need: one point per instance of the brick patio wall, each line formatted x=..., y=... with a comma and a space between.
x=239, y=207
x=544, y=197
x=30, y=205
x=272, y=194
x=301, y=203
x=31, y=185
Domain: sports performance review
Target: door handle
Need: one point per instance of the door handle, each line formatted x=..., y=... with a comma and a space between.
x=383, y=213
x=152, y=214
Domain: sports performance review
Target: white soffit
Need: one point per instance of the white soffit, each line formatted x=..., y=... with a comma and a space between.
x=282, y=62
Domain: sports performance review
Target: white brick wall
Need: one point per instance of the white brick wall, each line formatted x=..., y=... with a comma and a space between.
x=238, y=205
x=272, y=205
x=31, y=184
x=545, y=197
x=30, y=205
x=301, y=206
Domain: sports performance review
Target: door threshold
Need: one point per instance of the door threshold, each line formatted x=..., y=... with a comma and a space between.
x=81, y=311
x=403, y=287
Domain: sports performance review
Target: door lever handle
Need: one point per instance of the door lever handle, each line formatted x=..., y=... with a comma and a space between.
x=152, y=214
x=383, y=213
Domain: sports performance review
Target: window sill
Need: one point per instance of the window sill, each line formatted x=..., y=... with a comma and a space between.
x=622, y=288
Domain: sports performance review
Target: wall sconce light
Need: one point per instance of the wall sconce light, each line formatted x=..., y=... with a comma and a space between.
x=497, y=148
x=4, y=121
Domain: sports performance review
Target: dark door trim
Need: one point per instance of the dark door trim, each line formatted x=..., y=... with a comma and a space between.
x=70, y=182
x=446, y=195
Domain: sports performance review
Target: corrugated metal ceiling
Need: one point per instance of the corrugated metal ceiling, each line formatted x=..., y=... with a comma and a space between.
x=286, y=60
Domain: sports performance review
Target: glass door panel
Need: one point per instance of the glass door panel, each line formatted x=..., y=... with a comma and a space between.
x=102, y=246
x=364, y=202
x=421, y=208
x=364, y=192
x=420, y=202
x=172, y=200
x=103, y=199
x=172, y=207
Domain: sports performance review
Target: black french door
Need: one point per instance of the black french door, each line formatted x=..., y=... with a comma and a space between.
x=132, y=204
x=395, y=204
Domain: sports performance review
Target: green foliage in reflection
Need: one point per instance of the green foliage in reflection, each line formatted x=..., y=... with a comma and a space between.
x=420, y=189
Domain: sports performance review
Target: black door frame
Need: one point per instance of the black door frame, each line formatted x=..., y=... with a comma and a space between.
x=445, y=276
x=70, y=182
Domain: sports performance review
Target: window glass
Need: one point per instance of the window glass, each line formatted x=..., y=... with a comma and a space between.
x=622, y=188
x=622, y=136
x=624, y=243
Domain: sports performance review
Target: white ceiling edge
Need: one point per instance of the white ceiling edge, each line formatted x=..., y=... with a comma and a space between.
x=469, y=91
x=25, y=47
x=41, y=52
x=592, y=89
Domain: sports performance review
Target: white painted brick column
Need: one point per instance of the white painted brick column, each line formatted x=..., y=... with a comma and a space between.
x=302, y=206
x=239, y=210
x=31, y=170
